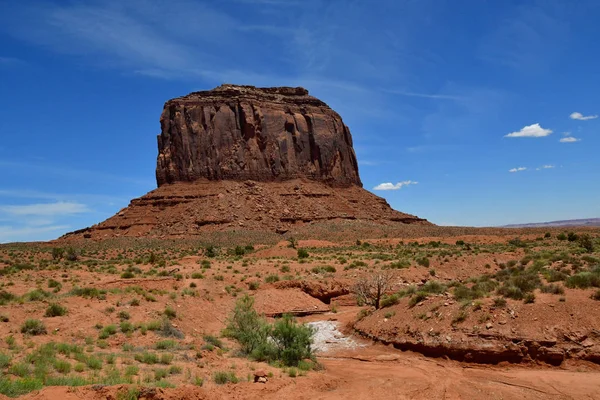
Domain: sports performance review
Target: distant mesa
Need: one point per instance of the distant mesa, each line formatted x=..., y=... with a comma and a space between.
x=242, y=157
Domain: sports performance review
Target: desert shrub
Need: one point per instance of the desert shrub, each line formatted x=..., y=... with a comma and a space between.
x=127, y=275
x=552, y=275
x=33, y=327
x=417, y=298
x=6, y=297
x=239, y=251
x=123, y=315
x=285, y=341
x=553, y=288
x=126, y=327
x=572, y=237
x=272, y=278
x=248, y=328
x=146, y=358
x=36, y=295
x=529, y=298
x=253, y=285
x=55, y=310
x=511, y=291
x=166, y=358
x=170, y=312
x=302, y=253
x=211, y=251
x=460, y=317
x=168, y=330
x=323, y=269
x=499, y=302
x=71, y=254
x=433, y=287
x=423, y=262
x=561, y=236
x=57, y=253
x=401, y=264
x=388, y=301
x=166, y=345
x=587, y=243
x=222, y=377
x=292, y=341
x=62, y=366
x=462, y=292
x=197, y=275
x=89, y=292
x=596, y=295
x=4, y=360
x=547, y=235
x=213, y=341
x=583, y=280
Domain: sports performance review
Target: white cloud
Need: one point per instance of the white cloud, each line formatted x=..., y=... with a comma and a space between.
x=581, y=117
x=518, y=169
x=548, y=166
x=12, y=234
x=46, y=209
x=391, y=186
x=534, y=130
x=569, y=139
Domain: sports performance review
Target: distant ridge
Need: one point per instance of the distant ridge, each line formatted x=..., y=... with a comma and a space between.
x=568, y=222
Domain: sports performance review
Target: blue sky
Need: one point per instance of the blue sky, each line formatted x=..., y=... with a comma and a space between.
x=444, y=99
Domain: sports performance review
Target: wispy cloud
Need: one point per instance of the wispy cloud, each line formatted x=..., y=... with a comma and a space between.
x=534, y=131
x=46, y=209
x=518, y=169
x=547, y=166
x=580, y=117
x=423, y=95
x=569, y=139
x=391, y=186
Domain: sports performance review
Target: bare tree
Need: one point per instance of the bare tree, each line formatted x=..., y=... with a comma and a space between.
x=372, y=287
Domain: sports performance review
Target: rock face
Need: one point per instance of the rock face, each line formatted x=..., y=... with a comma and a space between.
x=262, y=134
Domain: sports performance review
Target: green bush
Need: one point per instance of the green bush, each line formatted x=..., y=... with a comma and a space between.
x=596, y=295
x=587, y=243
x=583, y=280
x=572, y=237
x=423, y=262
x=285, y=341
x=222, y=377
x=561, y=236
x=272, y=278
x=388, y=301
x=33, y=327
x=292, y=341
x=553, y=288
x=55, y=310
x=57, y=253
x=417, y=298
x=170, y=312
x=302, y=253
x=4, y=360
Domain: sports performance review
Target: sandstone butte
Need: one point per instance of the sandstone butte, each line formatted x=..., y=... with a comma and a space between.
x=242, y=157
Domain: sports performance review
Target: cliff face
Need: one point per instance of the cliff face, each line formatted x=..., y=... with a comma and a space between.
x=262, y=134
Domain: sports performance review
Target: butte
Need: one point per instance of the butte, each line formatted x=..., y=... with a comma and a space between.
x=248, y=158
